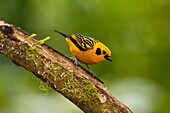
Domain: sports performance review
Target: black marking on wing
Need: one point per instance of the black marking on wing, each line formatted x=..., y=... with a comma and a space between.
x=89, y=41
x=82, y=42
x=77, y=45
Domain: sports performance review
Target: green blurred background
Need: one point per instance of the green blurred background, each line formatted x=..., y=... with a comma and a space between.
x=137, y=33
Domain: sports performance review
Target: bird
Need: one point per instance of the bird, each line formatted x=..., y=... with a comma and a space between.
x=86, y=50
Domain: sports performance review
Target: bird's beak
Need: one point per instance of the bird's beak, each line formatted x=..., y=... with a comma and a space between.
x=108, y=58
x=64, y=34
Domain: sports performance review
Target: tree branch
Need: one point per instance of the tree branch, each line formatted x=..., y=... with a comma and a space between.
x=54, y=68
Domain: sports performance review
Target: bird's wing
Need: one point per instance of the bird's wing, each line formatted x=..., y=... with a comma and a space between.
x=82, y=42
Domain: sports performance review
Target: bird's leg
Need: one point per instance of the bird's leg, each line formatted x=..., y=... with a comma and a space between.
x=90, y=70
x=75, y=60
x=93, y=75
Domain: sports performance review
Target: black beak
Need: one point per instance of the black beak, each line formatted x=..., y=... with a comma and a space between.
x=64, y=34
x=108, y=58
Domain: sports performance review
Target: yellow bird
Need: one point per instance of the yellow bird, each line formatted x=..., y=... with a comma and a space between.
x=86, y=49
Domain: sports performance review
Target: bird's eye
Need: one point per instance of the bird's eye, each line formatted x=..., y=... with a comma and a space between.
x=98, y=51
x=104, y=52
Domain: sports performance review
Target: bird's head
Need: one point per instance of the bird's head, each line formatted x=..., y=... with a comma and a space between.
x=103, y=52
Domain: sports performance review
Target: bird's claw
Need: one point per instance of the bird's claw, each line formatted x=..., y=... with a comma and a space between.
x=90, y=70
x=75, y=60
x=93, y=74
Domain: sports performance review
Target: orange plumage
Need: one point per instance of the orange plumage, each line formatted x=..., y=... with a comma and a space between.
x=86, y=49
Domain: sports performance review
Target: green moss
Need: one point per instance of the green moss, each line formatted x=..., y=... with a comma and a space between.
x=41, y=41
x=107, y=111
x=62, y=74
x=31, y=48
x=31, y=36
x=3, y=27
x=1, y=36
x=79, y=76
x=71, y=71
x=18, y=39
x=81, y=89
x=44, y=86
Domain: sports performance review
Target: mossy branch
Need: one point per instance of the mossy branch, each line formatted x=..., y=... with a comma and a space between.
x=54, y=68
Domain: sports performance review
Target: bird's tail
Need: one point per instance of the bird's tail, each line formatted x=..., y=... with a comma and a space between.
x=64, y=34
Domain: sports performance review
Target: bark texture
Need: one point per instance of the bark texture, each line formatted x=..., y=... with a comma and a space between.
x=58, y=71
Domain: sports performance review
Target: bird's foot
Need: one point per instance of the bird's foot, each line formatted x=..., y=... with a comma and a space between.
x=91, y=72
x=75, y=60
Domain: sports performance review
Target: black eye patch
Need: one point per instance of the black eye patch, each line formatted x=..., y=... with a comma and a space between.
x=98, y=51
x=104, y=52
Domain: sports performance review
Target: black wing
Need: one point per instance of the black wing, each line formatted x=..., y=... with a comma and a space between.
x=82, y=42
